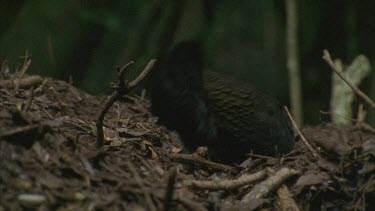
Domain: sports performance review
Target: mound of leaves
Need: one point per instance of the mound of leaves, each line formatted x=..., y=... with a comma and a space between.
x=49, y=160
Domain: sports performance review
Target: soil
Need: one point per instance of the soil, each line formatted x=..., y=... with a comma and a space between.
x=49, y=160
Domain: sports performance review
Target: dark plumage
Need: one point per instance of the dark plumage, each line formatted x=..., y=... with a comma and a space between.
x=209, y=109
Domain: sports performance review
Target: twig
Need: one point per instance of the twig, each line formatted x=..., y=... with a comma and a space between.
x=300, y=134
x=245, y=179
x=122, y=87
x=31, y=200
x=262, y=189
x=25, y=67
x=292, y=152
x=361, y=114
x=60, y=101
x=170, y=189
x=327, y=58
x=118, y=111
x=29, y=100
x=41, y=86
x=46, y=112
x=138, y=179
x=359, y=122
x=366, y=126
x=155, y=171
x=336, y=114
x=142, y=75
x=143, y=94
x=342, y=96
x=195, y=159
x=260, y=156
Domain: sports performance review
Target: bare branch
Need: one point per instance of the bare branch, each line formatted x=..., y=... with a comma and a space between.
x=121, y=88
x=327, y=58
x=195, y=159
x=245, y=179
x=300, y=134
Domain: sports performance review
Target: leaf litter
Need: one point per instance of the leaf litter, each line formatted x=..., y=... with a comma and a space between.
x=49, y=160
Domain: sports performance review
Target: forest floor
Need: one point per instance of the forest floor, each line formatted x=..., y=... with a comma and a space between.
x=49, y=160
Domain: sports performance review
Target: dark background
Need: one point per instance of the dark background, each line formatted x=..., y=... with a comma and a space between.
x=85, y=40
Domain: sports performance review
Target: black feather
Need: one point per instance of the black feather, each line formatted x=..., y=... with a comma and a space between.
x=209, y=109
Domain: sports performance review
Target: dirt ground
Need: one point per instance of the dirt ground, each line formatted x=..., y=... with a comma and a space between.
x=49, y=160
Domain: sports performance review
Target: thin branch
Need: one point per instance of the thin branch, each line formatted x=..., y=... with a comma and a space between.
x=260, y=156
x=361, y=114
x=25, y=67
x=245, y=179
x=59, y=100
x=339, y=115
x=327, y=58
x=342, y=96
x=122, y=87
x=29, y=100
x=121, y=73
x=143, y=74
x=300, y=134
x=197, y=160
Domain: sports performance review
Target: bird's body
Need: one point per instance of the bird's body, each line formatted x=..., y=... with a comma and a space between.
x=209, y=109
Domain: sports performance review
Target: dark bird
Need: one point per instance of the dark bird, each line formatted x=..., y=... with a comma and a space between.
x=209, y=109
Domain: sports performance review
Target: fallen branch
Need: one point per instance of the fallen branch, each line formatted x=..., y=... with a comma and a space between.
x=260, y=190
x=23, y=83
x=327, y=58
x=122, y=87
x=245, y=179
x=197, y=160
x=300, y=134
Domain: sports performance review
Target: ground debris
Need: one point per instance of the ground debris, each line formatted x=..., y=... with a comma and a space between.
x=49, y=161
